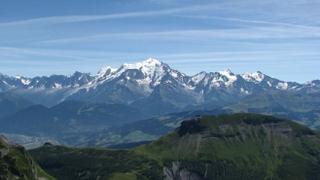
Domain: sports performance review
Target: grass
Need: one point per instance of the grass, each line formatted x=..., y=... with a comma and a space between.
x=253, y=146
x=89, y=163
x=18, y=164
x=239, y=146
x=123, y=176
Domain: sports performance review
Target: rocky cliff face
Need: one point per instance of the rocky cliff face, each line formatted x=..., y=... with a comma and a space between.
x=16, y=163
x=176, y=172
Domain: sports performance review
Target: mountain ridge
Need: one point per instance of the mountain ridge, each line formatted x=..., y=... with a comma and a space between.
x=150, y=84
x=108, y=72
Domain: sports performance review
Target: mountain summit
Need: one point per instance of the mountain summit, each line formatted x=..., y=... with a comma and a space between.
x=146, y=73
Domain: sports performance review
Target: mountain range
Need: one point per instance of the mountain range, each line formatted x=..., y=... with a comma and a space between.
x=125, y=105
x=150, y=81
x=141, y=102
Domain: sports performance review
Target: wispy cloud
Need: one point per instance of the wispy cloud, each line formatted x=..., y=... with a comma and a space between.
x=85, y=18
x=41, y=55
x=274, y=32
x=38, y=55
x=19, y=54
x=67, y=61
x=250, y=21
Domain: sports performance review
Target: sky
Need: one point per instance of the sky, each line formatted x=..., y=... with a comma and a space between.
x=44, y=37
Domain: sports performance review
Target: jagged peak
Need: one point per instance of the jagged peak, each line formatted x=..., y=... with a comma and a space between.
x=226, y=71
x=25, y=81
x=106, y=70
x=20, y=77
x=152, y=68
x=77, y=73
x=152, y=61
x=201, y=73
x=313, y=82
x=199, y=76
x=257, y=76
x=231, y=77
x=148, y=63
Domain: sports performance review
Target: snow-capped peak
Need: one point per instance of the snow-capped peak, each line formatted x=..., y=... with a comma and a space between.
x=151, y=62
x=282, y=85
x=226, y=72
x=150, y=67
x=144, y=65
x=153, y=70
x=313, y=83
x=199, y=77
x=231, y=77
x=106, y=70
x=24, y=81
x=255, y=77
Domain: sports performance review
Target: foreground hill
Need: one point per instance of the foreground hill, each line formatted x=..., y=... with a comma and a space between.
x=239, y=146
x=88, y=163
x=16, y=163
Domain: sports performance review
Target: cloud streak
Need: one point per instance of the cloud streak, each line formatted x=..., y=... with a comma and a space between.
x=252, y=33
x=86, y=18
x=69, y=60
x=89, y=56
x=260, y=22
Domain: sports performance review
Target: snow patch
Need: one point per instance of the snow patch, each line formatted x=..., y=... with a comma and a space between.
x=282, y=85
x=244, y=91
x=57, y=86
x=24, y=80
x=255, y=77
x=231, y=77
x=269, y=83
x=106, y=70
x=198, y=77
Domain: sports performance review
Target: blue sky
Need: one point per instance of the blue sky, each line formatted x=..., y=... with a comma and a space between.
x=279, y=38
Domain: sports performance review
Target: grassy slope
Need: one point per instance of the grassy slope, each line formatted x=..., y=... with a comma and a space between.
x=16, y=163
x=89, y=163
x=241, y=146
